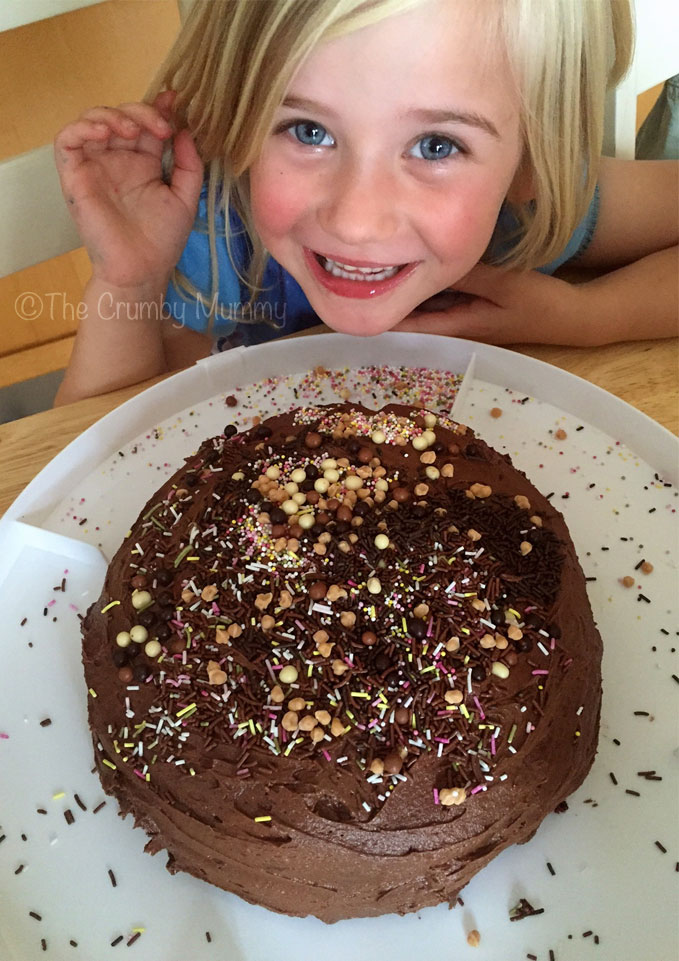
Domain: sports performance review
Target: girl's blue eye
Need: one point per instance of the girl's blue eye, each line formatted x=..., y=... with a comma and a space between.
x=434, y=147
x=311, y=134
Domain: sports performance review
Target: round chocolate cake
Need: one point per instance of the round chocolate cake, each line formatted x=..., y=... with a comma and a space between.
x=341, y=661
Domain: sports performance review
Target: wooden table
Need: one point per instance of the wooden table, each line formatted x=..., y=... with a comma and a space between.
x=644, y=373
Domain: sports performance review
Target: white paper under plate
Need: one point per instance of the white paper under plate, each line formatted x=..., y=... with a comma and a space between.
x=611, y=878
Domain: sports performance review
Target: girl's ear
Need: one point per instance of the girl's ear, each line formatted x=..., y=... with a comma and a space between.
x=522, y=189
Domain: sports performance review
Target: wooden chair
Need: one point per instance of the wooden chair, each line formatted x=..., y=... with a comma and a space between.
x=35, y=226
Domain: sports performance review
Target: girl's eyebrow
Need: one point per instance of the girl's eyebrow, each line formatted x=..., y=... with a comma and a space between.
x=470, y=118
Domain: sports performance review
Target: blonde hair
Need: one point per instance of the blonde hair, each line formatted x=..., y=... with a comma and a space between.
x=234, y=60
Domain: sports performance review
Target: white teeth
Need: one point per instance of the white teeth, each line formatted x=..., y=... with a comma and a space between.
x=349, y=272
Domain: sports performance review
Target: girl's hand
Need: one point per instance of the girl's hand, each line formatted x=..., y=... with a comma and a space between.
x=506, y=307
x=133, y=224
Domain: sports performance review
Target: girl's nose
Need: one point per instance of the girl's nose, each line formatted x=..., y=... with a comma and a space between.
x=359, y=206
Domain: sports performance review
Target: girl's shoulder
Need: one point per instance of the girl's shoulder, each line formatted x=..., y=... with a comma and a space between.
x=509, y=230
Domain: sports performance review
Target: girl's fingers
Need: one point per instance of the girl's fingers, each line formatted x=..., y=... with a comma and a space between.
x=187, y=174
x=129, y=120
x=69, y=142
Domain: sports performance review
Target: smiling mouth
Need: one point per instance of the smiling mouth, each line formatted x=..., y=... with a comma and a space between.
x=352, y=272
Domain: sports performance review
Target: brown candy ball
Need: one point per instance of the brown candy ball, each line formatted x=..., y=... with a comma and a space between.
x=313, y=440
x=368, y=638
x=401, y=494
x=401, y=715
x=317, y=591
x=392, y=764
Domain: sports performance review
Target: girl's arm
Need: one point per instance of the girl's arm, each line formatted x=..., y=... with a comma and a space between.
x=134, y=226
x=635, y=241
x=119, y=340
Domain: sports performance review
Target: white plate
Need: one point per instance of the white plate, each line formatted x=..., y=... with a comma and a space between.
x=610, y=876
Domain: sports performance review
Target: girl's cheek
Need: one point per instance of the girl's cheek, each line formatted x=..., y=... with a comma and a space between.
x=277, y=200
x=464, y=229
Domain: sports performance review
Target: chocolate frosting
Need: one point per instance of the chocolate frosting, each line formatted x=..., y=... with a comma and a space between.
x=345, y=696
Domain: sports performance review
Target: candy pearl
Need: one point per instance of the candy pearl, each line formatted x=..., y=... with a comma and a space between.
x=307, y=521
x=289, y=674
x=381, y=542
x=123, y=639
x=377, y=437
x=430, y=420
x=299, y=497
x=290, y=507
x=331, y=475
x=353, y=483
x=420, y=442
x=139, y=634
x=392, y=764
x=373, y=585
x=290, y=488
x=429, y=436
x=273, y=472
x=321, y=485
x=328, y=463
x=500, y=670
x=238, y=475
x=298, y=476
x=152, y=649
x=141, y=599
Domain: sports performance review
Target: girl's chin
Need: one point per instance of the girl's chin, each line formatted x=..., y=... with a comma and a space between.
x=360, y=326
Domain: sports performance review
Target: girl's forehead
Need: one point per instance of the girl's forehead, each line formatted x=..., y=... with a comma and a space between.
x=439, y=49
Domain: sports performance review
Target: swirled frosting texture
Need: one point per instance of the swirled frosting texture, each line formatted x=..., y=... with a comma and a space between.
x=341, y=661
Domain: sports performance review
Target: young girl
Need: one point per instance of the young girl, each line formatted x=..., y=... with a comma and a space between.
x=420, y=165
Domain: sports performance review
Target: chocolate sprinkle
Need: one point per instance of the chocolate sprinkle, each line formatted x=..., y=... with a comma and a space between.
x=524, y=909
x=45, y=722
x=68, y=814
x=112, y=877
